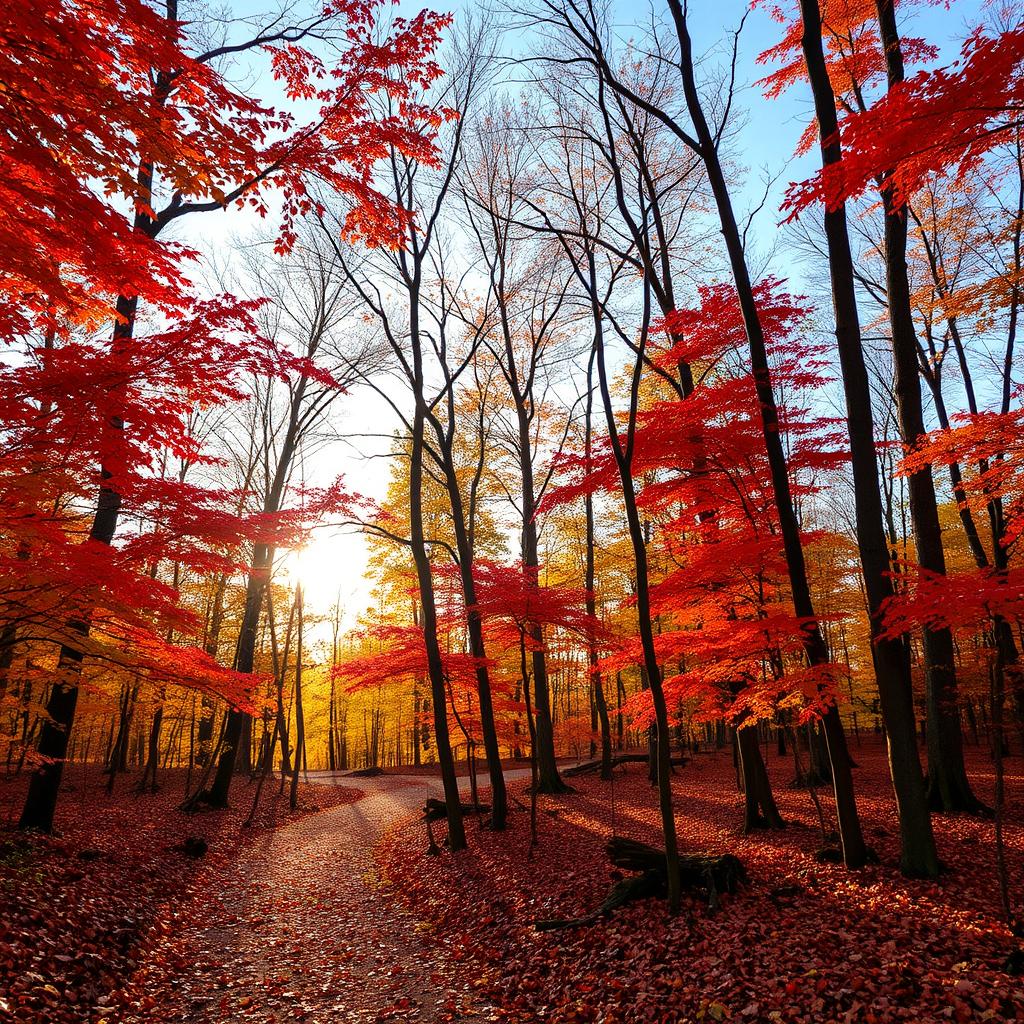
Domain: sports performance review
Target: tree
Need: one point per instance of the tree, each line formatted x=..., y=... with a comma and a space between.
x=208, y=144
x=880, y=53
x=520, y=320
x=704, y=141
x=918, y=856
x=309, y=310
x=417, y=351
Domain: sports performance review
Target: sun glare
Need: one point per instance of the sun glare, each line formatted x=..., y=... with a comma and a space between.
x=330, y=570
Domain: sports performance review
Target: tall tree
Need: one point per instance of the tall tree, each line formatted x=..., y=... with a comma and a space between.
x=918, y=856
x=215, y=155
x=307, y=317
x=522, y=308
x=418, y=353
x=590, y=36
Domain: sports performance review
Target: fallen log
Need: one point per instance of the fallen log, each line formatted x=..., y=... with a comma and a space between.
x=620, y=759
x=697, y=873
x=435, y=810
x=366, y=773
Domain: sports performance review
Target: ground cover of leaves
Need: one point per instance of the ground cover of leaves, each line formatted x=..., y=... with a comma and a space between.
x=79, y=911
x=805, y=942
x=298, y=928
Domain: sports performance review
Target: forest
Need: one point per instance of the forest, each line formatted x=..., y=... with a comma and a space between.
x=511, y=512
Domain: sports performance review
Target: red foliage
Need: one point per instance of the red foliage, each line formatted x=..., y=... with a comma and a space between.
x=989, y=445
x=705, y=475
x=56, y=411
x=401, y=653
x=941, y=120
x=508, y=604
x=511, y=598
x=853, y=53
x=70, y=149
x=99, y=89
x=106, y=106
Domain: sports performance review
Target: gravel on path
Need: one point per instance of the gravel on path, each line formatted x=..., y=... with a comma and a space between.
x=299, y=927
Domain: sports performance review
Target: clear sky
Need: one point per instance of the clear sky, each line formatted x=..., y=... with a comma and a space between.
x=333, y=565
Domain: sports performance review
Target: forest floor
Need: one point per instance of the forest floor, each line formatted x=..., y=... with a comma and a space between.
x=340, y=917
x=300, y=928
x=81, y=910
x=807, y=941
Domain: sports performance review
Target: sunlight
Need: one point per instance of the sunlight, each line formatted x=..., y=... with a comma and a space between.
x=392, y=399
x=330, y=569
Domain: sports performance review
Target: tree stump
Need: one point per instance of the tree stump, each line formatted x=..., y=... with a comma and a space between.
x=698, y=872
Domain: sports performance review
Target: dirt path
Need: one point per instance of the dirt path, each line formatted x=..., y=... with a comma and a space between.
x=301, y=930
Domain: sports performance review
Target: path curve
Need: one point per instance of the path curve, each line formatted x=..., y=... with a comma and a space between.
x=301, y=929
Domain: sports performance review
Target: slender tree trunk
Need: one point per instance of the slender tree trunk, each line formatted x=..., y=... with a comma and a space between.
x=590, y=584
x=417, y=542
x=918, y=857
x=474, y=625
x=300, y=721
x=153, y=751
x=623, y=459
x=245, y=657
x=949, y=789
x=854, y=848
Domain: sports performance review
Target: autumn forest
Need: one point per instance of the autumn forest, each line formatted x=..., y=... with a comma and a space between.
x=511, y=513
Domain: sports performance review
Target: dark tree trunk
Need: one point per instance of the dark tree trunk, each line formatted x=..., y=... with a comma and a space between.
x=949, y=789
x=245, y=657
x=153, y=751
x=417, y=542
x=759, y=808
x=41, y=800
x=549, y=779
x=623, y=459
x=892, y=670
x=854, y=849
x=495, y=771
x=300, y=721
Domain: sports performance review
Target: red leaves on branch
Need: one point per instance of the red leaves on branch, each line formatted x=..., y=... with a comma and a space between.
x=853, y=52
x=989, y=445
x=100, y=93
x=115, y=125
x=702, y=461
x=943, y=120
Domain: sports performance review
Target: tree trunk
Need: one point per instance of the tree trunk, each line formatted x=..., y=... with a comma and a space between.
x=918, y=857
x=949, y=789
x=759, y=808
x=636, y=534
x=300, y=721
x=495, y=771
x=854, y=849
x=417, y=542
x=590, y=584
x=153, y=751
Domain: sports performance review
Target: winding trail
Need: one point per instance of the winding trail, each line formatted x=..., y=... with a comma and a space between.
x=301, y=929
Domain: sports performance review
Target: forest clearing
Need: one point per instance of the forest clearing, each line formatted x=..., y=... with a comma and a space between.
x=511, y=512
